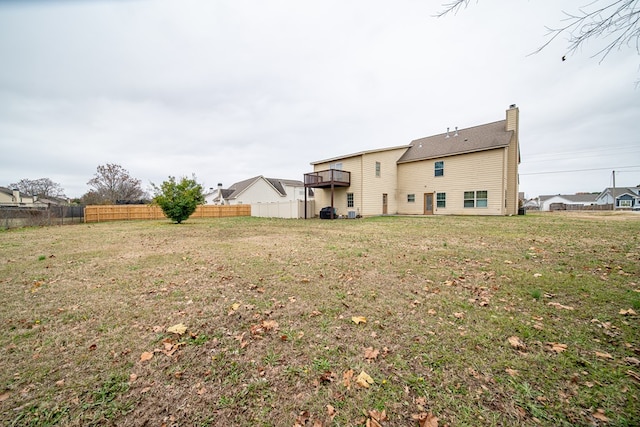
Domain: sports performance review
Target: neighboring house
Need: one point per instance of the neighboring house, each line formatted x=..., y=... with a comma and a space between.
x=546, y=202
x=13, y=198
x=258, y=190
x=470, y=171
x=532, y=204
x=625, y=197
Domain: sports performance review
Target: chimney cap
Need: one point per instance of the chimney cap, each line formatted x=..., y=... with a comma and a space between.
x=512, y=106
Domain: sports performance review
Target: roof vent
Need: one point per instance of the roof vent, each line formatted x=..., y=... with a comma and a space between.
x=447, y=136
x=456, y=134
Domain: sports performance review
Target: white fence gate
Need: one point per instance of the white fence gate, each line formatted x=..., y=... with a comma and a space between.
x=291, y=209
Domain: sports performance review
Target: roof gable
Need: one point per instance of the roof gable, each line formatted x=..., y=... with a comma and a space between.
x=278, y=185
x=359, y=154
x=489, y=136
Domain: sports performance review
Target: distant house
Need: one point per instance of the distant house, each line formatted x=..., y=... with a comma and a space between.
x=625, y=197
x=553, y=202
x=258, y=190
x=13, y=198
x=471, y=171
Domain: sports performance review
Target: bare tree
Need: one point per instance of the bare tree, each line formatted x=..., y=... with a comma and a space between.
x=617, y=21
x=42, y=187
x=112, y=183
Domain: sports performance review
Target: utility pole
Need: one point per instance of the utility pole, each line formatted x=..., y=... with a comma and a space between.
x=613, y=190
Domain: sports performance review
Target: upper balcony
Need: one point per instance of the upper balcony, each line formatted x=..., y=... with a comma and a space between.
x=327, y=178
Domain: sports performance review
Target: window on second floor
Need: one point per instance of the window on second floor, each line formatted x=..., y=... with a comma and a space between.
x=439, y=169
x=378, y=169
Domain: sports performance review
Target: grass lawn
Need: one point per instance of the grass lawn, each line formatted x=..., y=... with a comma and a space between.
x=393, y=321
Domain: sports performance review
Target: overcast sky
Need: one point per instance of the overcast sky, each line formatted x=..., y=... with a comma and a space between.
x=228, y=90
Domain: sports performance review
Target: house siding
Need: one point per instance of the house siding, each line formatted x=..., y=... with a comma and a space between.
x=469, y=172
x=367, y=199
x=259, y=191
x=487, y=160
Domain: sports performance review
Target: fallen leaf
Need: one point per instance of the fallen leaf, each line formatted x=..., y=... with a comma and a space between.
x=632, y=361
x=364, y=380
x=327, y=377
x=459, y=315
x=347, y=377
x=604, y=355
x=234, y=307
x=146, y=356
x=628, y=312
x=302, y=419
x=331, y=412
x=177, y=329
x=537, y=275
x=512, y=372
x=516, y=343
x=599, y=415
x=556, y=346
x=270, y=325
x=359, y=319
x=633, y=375
x=426, y=420
x=4, y=396
x=376, y=417
x=371, y=354
x=558, y=305
x=132, y=378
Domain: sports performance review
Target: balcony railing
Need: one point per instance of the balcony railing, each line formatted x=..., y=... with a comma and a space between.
x=327, y=178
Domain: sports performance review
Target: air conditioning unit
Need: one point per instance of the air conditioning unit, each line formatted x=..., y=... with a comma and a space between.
x=352, y=214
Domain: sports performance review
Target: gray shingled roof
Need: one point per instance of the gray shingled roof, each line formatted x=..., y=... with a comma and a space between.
x=478, y=138
x=239, y=187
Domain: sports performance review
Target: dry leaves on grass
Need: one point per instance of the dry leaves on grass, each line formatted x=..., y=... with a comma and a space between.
x=347, y=376
x=146, y=356
x=560, y=306
x=376, y=418
x=512, y=372
x=359, y=319
x=599, y=415
x=556, y=347
x=426, y=419
x=178, y=329
x=628, y=312
x=364, y=380
x=371, y=354
x=604, y=355
x=517, y=343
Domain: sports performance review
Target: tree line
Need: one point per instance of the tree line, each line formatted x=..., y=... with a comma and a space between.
x=112, y=184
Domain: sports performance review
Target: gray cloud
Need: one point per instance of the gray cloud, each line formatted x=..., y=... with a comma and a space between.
x=229, y=90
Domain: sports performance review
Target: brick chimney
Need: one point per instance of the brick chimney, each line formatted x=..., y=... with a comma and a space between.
x=16, y=196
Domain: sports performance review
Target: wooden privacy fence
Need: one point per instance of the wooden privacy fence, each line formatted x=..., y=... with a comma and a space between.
x=101, y=213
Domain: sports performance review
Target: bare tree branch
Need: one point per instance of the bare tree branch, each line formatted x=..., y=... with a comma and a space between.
x=452, y=7
x=616, y=21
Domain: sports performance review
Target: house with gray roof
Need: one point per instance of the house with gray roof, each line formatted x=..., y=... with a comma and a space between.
x=624, y=197
x=258, y=189
x=470, y=171
x=548, y=202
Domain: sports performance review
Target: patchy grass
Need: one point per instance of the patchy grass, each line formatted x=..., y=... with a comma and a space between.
x=479, y=321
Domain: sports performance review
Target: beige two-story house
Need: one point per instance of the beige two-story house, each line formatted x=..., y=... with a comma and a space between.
x=472, y=171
